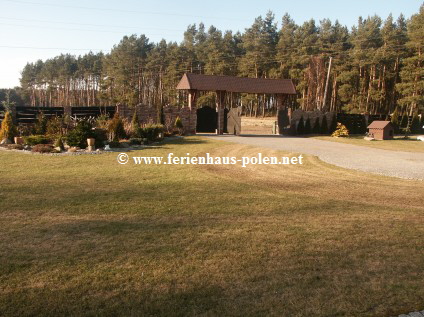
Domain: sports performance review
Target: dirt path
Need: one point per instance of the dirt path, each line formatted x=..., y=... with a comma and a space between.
x=407, y=165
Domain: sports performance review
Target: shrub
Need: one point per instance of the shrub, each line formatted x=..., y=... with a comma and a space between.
x=59, y=144
x=135, y=126
x=36, y=139
x=179, y=125
x=152, y=131
x=78, y=136
x=102, y=122
x=404, y=121
x=100, y=135
x=300, y=127
x=136, y=141
x=308, y=128
x=8, y=129
x=55, y=127
x=415, y=124
x=395, y=120
x=341, y=131
x=324, y=125
x=43, y=148
x=317, y=128
x=114, y=144
x=15, y=146
x=41, y=124
x=422, y=123
x=116, y=128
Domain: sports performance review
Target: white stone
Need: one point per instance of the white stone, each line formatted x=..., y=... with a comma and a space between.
x=420, y=138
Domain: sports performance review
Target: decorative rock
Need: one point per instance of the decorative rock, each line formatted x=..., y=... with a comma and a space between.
x=367, y=138
x=420, y=138
x=107, y=147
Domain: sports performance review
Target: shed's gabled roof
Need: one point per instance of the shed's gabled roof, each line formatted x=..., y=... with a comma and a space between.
x=379, y=124
x=237, y=84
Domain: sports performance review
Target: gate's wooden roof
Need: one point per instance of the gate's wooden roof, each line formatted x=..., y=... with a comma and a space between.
x=236, y=84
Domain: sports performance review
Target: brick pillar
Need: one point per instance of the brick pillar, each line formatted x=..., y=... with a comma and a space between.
x=192, y=115
x=220, y=110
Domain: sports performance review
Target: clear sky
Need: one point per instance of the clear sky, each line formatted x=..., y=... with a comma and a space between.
x=40, y=29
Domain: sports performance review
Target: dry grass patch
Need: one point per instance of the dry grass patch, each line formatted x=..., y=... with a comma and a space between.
x=87, y=236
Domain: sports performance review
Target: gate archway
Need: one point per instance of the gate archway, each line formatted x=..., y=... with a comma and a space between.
x=221, y=120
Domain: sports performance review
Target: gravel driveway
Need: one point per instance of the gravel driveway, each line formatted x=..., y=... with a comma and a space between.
x=407, y=165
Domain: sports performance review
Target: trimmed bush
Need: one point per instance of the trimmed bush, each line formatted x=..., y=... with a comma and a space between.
x=179, y=125
x=136, y=141
x=152, y=131
x=422, y=123
x=300, y=127
x=395, y=120
x=37, y=139
x=41, y=124
x=43, y=148
x=333, y=124
x=116, y=128
x=317, y=128
x=308, y=129
x=324, y=125
x=404, y=121
x=415, y=124
x=135, y=126
x=78, y=136
x=55, y=127
x=114, y=144
x=8, y=129
x=100, y=135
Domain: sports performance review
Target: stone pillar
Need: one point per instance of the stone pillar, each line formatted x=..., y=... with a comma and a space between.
x=220, y=98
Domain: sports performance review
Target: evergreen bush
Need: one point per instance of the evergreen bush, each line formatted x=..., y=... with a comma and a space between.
x=324, y=125
x=78, y=136
x=317, y=128
x=300, y=127
x=8, y=130
x=116, y=128
x=308, y=129
x=36, y=139
x=415, y=124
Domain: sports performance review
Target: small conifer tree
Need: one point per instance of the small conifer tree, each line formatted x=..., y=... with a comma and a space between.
x=8, y=130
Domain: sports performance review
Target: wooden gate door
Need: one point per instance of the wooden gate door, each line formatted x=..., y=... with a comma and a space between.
x=206, y=120
x=233, y=125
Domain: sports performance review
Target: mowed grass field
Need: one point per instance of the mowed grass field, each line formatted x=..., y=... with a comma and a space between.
x=397, y=144
x=85, y=236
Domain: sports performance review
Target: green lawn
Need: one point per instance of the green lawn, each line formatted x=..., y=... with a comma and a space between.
x=85, y=236
x=398, y=144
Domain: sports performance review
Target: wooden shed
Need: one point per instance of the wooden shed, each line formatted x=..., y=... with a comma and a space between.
x=381, y=130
